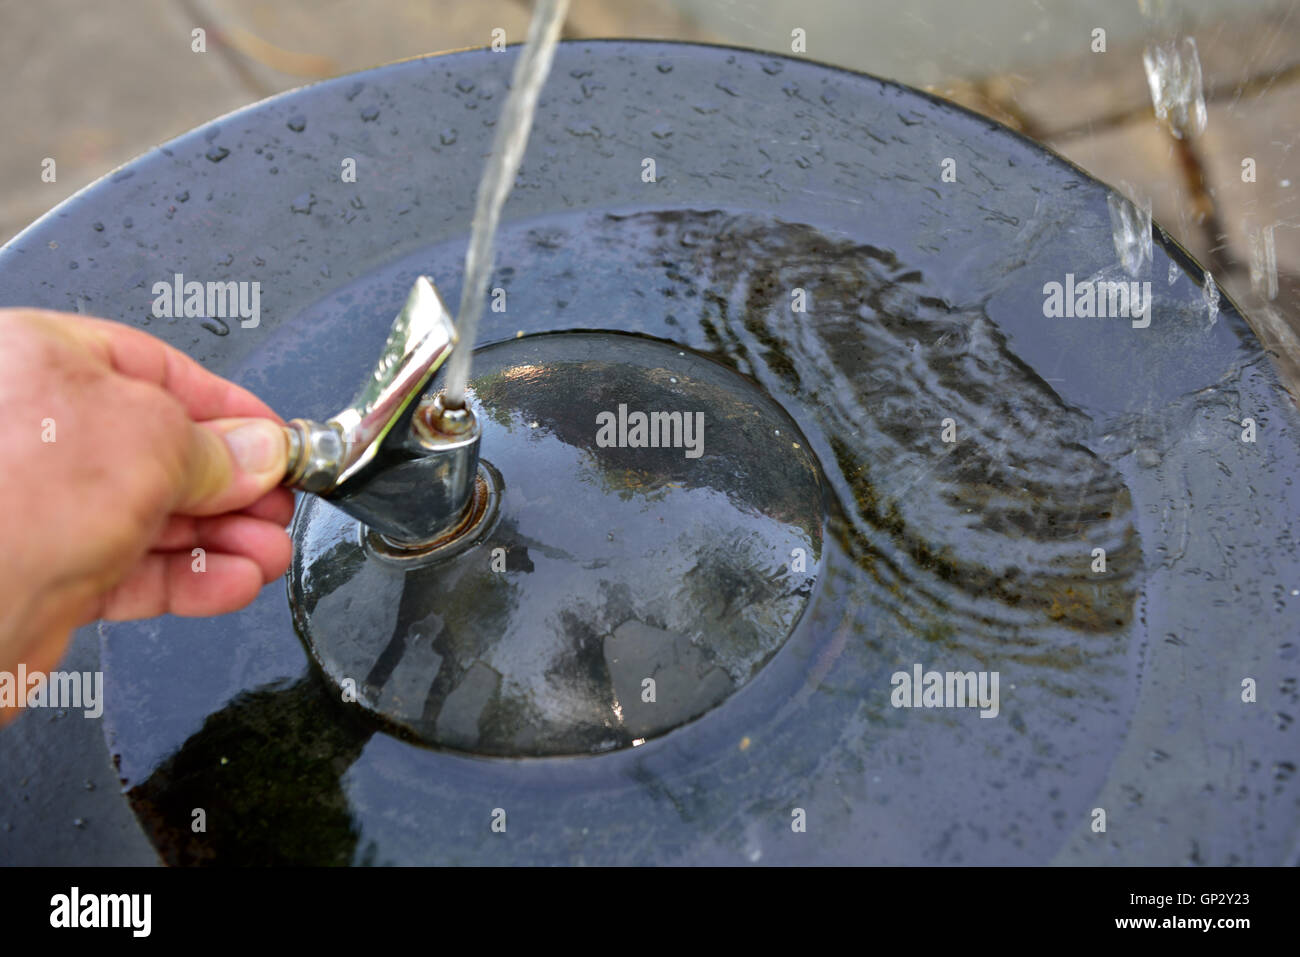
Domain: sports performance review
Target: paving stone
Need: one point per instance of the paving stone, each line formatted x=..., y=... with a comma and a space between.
x=1265, y=128
x=1088, y=90
x=287, y=43
x=1235, y=53
x=620, y=18
x=92, y=86
x=1094, y=90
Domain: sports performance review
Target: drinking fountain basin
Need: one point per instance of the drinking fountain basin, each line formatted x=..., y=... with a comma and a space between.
x=905, y=466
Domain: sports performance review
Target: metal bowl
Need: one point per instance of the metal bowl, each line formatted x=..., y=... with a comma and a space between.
x=976, y=453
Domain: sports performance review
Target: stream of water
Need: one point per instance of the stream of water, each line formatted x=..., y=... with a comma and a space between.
x=507, y=152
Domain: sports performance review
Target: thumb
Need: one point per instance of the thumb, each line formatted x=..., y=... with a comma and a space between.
x=232, y=464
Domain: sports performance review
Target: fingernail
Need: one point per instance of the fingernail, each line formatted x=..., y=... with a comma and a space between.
x=257, y=446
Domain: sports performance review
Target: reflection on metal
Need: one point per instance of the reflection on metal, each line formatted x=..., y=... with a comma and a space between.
x=618, y=592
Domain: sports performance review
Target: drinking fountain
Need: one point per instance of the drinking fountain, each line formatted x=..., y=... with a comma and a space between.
x=405, y=467
x=553, y=607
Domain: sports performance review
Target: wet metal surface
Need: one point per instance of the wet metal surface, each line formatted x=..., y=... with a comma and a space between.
x=622, y=590
x=1119, y=689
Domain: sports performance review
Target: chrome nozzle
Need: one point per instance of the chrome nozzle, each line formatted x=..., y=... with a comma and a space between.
x=405, y=469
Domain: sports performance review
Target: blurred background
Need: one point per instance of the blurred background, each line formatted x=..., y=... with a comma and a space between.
x=94, y=84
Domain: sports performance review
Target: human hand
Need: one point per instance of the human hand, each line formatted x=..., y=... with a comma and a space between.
x=124, y=455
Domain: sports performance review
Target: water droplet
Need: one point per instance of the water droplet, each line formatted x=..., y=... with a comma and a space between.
x=1130, y=229
x=1263, y=262
x=128, y=223
x=79, y=822
x=1210, y=296
x=802, y=162
x=183, y=196
x=303, y=203
x=99, y=227
x=773, y=67
x=1282, y=770
x=447, y=137
x=217, y=153
x=662, y=131
x=663, y=66
x=216, y=325
x=297, y=123
x=370, y=114
x=1174, y=272
x=356, y=88
x=726, y=87
x=465, y=85
x=579, y=73
x=1174, y=77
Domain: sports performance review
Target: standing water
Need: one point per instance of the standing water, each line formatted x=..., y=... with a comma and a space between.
x=507, y=152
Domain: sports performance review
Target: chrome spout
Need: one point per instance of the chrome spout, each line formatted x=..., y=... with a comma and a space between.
x=403, y=465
